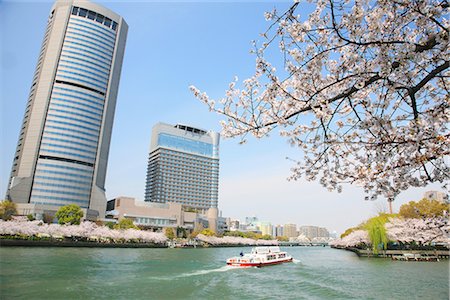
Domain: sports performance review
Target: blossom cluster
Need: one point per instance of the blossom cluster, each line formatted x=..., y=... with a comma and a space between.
x=360, y=87
x=86, y=229
x=354, y=239
x=404, y=230
x=231, y=240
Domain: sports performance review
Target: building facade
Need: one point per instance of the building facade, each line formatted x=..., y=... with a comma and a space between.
x=62, y=152
x=157, y=216
x=436, y=195
x=183, y=166
x=290, y=230
x=313, y=232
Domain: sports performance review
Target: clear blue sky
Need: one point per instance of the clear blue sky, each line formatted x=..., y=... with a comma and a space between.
x=170, y=46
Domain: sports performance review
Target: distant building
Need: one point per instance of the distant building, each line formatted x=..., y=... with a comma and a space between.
x=63, y=146
x=435, y=195
x=312, y=232
x=157, y=216
x=264, y=227
x=277, y=231
x=290, y=230
x=183, y=166
x=234, y=225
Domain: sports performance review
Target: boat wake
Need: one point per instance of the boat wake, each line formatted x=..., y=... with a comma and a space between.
x=296, y=261
x=198, y=273
x=204, y=272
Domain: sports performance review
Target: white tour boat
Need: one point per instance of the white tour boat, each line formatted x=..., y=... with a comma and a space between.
x=259, y=257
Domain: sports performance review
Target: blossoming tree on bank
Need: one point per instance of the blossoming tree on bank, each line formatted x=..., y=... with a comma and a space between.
x=363, y=92
x=233, y=240
x=87, y=230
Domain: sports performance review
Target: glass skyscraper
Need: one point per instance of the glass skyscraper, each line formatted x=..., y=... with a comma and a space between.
x=63, y=147
x=183, y=166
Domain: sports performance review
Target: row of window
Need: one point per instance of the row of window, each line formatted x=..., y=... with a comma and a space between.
x=62, y=179
x=100, y=88
x=55, y=203
x=82, y=12
x=71, y=45
x=77, y=92
x=74, y=175
x=165, y=154
x=79, y=56
x=64, y=200
x=181, y=170
x=47, y=138
x=65, y=129
x=185, y=162
x=71, y=66
x=65, y=167
x=92, y=131
x=91, y=26
x=89, y=36
x=76, y=40
x=184, y=144
x=93, y=126
x=66, y=153
x=73, y=105
x=79, y=61
x=73, y=113
x=154, y=221
x=52, y=133
x=63, y=186
x=61, y=192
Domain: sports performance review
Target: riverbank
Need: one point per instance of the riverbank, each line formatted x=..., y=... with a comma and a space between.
x=400, y=254
x=74, y=243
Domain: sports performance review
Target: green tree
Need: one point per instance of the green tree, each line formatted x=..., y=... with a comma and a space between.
x=125, y=224
x=425, y=208
x=110, y=225
x=7, y=209
x=208, y=232
x=377, y=232
x=266, y=237
x=69, y=214
x=170, y=234
x=181, y=232
x=283, y=238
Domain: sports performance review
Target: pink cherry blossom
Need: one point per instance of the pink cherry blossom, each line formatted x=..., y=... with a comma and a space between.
x=360, y=88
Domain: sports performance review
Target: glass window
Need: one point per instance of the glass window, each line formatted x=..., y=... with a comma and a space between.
x=114, y=25
x=91, y=15
x=74, y=10
x=107, y=22
x=83, y=12
x=99, y=18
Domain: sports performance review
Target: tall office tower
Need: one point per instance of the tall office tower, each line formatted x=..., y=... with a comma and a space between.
x=63, y=147
x=183, y=166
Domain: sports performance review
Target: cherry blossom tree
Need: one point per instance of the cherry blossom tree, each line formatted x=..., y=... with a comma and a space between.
x=88, y=230
x=421, y=231
x=232, y=240
x=361, y=88
x=354, y=239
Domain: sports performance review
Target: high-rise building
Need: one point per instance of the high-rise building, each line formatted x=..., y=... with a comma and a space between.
x=183, y=166
x=63, y=147
x=290, y=230
x=277, y=231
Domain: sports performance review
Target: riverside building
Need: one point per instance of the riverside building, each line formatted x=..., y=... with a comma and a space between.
x=62, y=152
x=183, y=167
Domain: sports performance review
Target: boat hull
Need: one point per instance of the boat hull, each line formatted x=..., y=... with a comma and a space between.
x=258, y=264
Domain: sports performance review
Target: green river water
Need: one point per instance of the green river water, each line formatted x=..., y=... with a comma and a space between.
x=317, y=273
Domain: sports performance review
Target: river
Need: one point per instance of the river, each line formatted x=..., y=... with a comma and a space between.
x=317, y=273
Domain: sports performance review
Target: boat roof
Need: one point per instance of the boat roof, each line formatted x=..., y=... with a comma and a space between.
x=271, y=249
